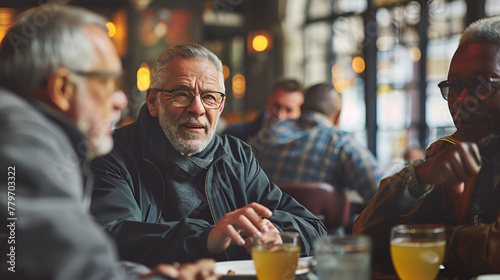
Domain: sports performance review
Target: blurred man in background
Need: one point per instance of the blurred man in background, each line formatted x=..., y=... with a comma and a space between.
x=314, y=149
x=283, y=103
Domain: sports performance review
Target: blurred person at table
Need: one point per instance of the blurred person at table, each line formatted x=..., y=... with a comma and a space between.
x=173, y=189
x=57, y=106
x=411, y=152
x=314, y=149
x=287, y=95
x=457, y=184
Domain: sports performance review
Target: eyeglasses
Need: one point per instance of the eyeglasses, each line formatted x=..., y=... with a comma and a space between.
x=480, y=88
x=97, y=74
x=182, y=98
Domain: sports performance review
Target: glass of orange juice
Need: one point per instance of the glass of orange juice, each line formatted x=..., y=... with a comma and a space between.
x=276, y=255
x=417, y=251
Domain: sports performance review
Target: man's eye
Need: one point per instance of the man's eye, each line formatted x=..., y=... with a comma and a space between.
x=209, y=96
x=181, y=93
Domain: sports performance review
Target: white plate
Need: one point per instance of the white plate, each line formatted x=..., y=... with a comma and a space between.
x=488, y=277
x=246, y=268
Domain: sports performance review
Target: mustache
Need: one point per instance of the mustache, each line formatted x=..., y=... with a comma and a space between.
x=470, y=108
x=192, y=119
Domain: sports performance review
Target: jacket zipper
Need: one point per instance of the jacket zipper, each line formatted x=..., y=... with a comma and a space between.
x=163, y=184
x=206, y=192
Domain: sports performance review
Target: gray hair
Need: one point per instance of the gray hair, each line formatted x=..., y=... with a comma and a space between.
x=483, y=30
x=190, y=50
x=43, y=39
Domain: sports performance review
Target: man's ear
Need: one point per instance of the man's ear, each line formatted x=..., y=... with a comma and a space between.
x=151, y=102
x=61, y=90
x=222, y=106
x=336, y=119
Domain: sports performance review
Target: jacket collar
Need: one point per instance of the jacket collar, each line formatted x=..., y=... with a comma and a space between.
x=156, y=147
x=76, y=137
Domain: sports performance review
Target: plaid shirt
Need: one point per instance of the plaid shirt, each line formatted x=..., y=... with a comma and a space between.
x=311, y=149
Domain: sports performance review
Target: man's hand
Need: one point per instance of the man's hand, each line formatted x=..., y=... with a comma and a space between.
x=200, y=270
x=272, y=229
x=454, y=166
x=249, y=220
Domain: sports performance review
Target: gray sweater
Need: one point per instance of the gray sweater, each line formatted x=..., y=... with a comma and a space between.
x=47, y=232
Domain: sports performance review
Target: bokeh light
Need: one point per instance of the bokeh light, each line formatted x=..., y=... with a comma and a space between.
x=239, y=86
x=225, y=71
x=358, y=64
x=260, y=43
x=143, y=77
x=415, y=53
x=111, y=28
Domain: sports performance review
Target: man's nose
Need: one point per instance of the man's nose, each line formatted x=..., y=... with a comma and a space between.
x=282, y=114
x=196, y=107
x=120, y=100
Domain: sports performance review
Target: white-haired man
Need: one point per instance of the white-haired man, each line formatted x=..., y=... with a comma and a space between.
x=57, y=105
x=172, y=180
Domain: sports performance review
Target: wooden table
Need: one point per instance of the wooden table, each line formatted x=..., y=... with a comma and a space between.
x=387, y=272
x=379, y=272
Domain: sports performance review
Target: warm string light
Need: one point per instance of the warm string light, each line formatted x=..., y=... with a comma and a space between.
x=143, y=77
x=239, y=86
x=111, y=28
x=260, y=43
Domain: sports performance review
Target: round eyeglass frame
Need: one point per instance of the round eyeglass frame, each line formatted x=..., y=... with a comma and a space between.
x=171, y=91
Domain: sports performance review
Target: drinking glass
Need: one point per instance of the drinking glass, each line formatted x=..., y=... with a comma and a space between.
x=343, y=257
x=276, y=255
x=417, y=251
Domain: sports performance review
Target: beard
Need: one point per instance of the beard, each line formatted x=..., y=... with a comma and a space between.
x=489, y=144
x=473, y=121
x=192, y=142
x=99, y=139
x=101, y=146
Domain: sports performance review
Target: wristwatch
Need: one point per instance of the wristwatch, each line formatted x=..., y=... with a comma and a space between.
x=415, y=189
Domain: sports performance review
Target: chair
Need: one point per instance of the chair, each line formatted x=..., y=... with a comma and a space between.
x=323, y=200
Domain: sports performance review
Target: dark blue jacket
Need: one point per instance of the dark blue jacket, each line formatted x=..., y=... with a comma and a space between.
x=129, y=196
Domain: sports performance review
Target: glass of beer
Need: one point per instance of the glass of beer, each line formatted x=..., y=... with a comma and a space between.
x=276, y=255
x=417, y=251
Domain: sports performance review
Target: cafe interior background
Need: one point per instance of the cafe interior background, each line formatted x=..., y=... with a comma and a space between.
x=385, y=57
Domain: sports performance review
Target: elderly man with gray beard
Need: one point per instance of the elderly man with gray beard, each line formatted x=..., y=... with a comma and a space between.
x=174, y=190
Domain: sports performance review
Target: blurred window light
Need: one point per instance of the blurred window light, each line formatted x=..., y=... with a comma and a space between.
x=491, y=7
x=215, y=15
x=345, y=6
x=143, y=77
x=415, y=53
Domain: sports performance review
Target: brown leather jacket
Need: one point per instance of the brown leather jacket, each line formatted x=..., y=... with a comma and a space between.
x=471, y=249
